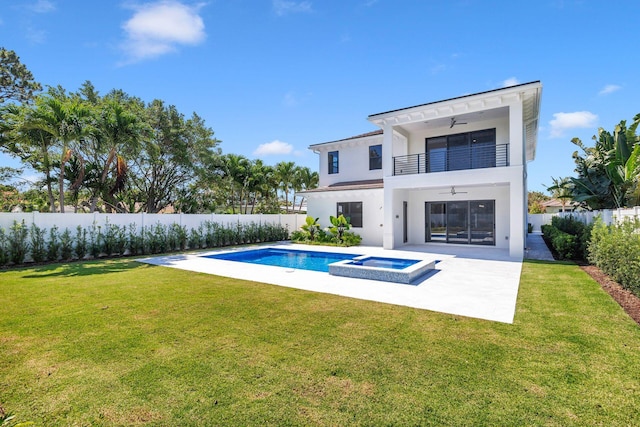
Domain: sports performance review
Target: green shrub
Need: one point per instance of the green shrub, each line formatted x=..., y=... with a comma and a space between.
x=17, y=242
x=568, y=237
x=66, y=245
x=53, y=245
x=4, y=248
x=351, y=239
x=135, y=240
x=615, y=249
x=81, y=242
x=95, y=239
x=565, y=244
x=38, y=243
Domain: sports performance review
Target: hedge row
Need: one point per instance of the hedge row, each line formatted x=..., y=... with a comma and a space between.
x=615, y=249
x=21, y=243
x=568, y=237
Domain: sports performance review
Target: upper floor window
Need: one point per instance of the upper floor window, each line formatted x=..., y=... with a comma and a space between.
x=333, y=162
x=375, y=157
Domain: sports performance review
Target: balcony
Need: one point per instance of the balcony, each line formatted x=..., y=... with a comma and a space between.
x=453, y=159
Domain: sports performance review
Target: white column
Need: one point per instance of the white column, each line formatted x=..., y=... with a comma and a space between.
x=387, y=150
x=516, y=135
x=517, y=229
x=387, y=170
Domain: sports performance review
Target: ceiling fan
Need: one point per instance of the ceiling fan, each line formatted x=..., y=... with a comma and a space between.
x=455, y=122
x=453, y=191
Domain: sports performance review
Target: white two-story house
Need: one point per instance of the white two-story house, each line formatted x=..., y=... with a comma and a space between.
x=446, y=172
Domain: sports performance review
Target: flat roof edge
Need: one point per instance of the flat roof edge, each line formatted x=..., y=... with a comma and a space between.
x=521, y=85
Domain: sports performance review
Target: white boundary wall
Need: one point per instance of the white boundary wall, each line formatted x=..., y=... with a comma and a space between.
x=609, y=216
x=72, y=220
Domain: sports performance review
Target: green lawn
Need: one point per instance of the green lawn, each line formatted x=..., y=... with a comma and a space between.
x=121, y=343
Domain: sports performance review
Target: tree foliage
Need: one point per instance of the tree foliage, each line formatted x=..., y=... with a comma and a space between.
x=16, y=81
x=608, y=173
x=535, y=200
x=119, y=154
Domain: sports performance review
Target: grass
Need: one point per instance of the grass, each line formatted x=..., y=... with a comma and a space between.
x=121, y=343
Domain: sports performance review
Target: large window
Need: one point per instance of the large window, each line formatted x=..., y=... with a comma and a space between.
x=352, y=211
x=333, y=162
x=375, y=157
x=469, y=150
x=467, y=222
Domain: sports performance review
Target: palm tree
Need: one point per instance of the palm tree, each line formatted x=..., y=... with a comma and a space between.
x=117, y=130
x=285, y=174
x=236, y=171
x=562, y=189
x=306, y=180
x=33, y=146
x=63, y=119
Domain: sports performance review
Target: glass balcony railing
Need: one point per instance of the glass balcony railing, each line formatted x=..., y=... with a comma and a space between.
x=452, y=159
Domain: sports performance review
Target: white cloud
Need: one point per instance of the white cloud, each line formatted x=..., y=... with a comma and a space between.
x=609, y=89
x=511, y=81
x=290, y=99
x=160, y=27
x=36, y=36
x=273, y=147
x=284, y=7
x=42, y=6
x=564, y=121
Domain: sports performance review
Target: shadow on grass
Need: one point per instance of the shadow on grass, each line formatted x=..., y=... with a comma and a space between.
x=84, y=268
x=545, y=262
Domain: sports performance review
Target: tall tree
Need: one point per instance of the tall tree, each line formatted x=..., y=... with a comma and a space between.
x=16, y=81
x=174, y=155
x=305, y=180
x=535, y=200
x=117, y=131
x=286, y=175
x=608, y=172
x=562, y=189
x=64, y=119
x=34, y=146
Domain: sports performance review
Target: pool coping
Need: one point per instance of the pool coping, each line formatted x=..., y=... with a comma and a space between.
x=406, y=276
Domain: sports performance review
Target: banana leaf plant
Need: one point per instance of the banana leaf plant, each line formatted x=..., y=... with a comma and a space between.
x=311, y=226
x=339, y=225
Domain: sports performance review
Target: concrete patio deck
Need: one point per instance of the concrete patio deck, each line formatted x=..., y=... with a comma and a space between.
x=479, y=282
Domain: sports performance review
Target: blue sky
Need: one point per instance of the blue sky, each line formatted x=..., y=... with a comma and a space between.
x=272, y=77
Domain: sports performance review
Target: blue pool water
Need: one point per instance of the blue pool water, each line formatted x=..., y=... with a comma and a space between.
x=290, y=258
x=393, y=263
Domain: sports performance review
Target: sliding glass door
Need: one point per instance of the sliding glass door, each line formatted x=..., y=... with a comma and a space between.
x=462, y=222
x=436, y=222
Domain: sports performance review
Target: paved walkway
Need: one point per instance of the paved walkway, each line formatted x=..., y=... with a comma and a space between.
x=537, y=248
x=474, y=282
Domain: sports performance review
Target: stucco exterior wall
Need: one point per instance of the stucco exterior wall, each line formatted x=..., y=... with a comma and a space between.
x=353, y=161
x=323, y=205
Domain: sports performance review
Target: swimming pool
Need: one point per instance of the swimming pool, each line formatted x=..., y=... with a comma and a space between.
x=399, y=270
x=289, y=258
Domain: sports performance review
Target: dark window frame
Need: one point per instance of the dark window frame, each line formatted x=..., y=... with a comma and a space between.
x=375, y=157
x=350, y=211
x=460, y=144
x=333, y=158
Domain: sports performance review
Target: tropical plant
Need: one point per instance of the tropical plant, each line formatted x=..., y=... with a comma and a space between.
x=306, y=180
x=608, y=173
x=286, y=175
x=338, y=226
x=311, y=227
x=562, y=189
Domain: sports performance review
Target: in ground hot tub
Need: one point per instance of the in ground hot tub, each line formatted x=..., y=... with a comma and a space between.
x=398, y=270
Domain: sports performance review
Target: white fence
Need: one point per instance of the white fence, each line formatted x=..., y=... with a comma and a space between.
x=608, y=216
x=73, y=220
